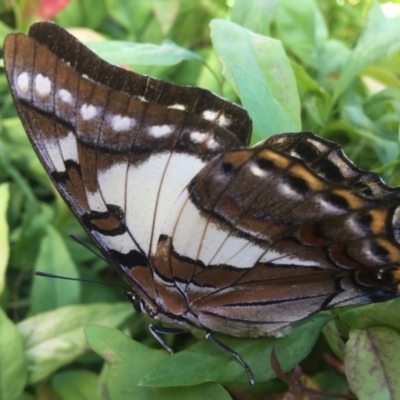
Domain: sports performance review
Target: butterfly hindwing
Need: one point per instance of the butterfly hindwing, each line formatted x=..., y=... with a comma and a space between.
x=279, y=238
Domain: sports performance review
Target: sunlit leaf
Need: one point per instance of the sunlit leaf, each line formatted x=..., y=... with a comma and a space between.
x=129, y=361
x=55, y=338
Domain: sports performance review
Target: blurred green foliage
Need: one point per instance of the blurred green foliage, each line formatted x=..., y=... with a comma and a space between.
x=327, y=66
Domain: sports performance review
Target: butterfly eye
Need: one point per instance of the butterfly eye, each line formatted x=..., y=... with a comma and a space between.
x=136, y=302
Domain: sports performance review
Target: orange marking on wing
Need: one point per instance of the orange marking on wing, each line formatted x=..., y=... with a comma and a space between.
x=312, y=181
x=392, y=250
x=352, y=199
x=378, y=221
x=237, y=158
x=396, y=274
x=277, y=159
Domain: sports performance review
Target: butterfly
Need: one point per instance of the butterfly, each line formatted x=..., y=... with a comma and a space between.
x=208, y=232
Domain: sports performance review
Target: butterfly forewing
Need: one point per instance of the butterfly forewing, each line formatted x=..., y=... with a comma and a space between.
x=192, y=100
x=119, y=162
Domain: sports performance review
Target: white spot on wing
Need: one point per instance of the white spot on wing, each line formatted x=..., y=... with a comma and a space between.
x=289, y=192
x=65, y=96
x=53, y=150
x=42, y=85
x=143, y=186
x=96, y=202
x=212, y=144
x=112, y=184
x=279, y=259
x=257, y=171
x=345, y=169
x=121, y=124
x=142, y=98
x=159, y=131
x=122, y=243
x=178, y=107
x=69, y=147
x=223, y=121
x=24, y=82
x=210, y=115
x=198, y=238
x=318, y=145
x=88, y=111
x=198, y=137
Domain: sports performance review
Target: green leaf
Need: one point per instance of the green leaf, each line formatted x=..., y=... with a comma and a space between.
x=165, y=12
x=255, y=15
x=333, y=58
x=55, y=338
x=13, y=363
x=88, y=13
x=260, y=103
x=129, y=361
x=133, y=16
x=334, y=338
x=53, y=257
x=35, y=220
x=77, y=385
x=379, y=36
x=264, y=62
x=126, y=53
x=371, y=364
x=4, y=246
x=205, y=362
x=387, y=148
x=302, y=29
x=380, y=314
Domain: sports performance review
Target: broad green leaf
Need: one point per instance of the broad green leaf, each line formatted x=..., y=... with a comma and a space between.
x=129, y=361
x=126, y=53
x=262, y=60
x=55, y=338
x=4, y=246
x=372, y=364
x=255, y=15
x=76, y=384
x=261, y=105
x=54, y=258
x=333, y=57
x=381, y=314
x=13, y=363
x=302, y=29
x=380, y=35
x=205, y=361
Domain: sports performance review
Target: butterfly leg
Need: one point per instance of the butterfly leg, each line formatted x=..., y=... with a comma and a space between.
x=156, y=331
x=223, y=346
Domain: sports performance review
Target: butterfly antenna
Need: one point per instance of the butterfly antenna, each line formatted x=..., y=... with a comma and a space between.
x=82, y=243
x=47, y=275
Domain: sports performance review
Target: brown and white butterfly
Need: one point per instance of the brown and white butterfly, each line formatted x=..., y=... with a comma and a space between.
x=208, y=232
